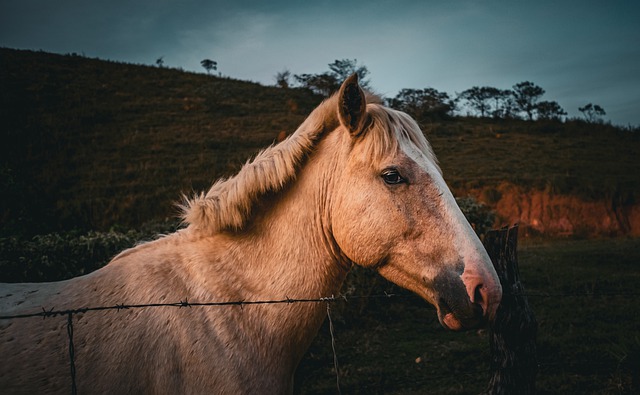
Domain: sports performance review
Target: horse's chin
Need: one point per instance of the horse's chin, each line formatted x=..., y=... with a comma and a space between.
x=450, y=322
x=456, y=322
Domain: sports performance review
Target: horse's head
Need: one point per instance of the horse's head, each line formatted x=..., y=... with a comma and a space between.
x=391, y=210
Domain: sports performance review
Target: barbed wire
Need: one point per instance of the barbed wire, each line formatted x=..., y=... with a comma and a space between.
x=52, y=312
x=69, y=313
x=327, y=299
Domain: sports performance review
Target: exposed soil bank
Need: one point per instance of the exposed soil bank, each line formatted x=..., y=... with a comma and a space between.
x=550, y=214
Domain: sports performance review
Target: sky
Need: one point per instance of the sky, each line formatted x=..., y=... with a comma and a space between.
x=579, y=52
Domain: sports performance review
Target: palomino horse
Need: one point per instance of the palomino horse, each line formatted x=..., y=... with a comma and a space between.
x=357, y=183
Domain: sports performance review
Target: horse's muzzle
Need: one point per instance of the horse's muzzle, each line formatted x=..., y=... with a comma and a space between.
x=469, y=317
x=465, y=301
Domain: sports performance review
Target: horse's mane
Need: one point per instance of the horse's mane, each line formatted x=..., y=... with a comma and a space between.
x=229, y=202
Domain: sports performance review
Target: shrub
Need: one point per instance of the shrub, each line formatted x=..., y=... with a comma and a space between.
x=58, y=256
x=479, y=216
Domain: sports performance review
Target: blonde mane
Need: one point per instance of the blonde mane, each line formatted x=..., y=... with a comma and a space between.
x=228, y=203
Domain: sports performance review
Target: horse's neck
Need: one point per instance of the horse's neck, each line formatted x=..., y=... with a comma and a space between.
x=288, y=244
x=288, y=252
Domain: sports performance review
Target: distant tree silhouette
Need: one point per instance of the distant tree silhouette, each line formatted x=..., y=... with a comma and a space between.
x=209, y=65
x=526, y=95
x=328, y=82
x=489, y=101
x=550, y=110
x=342, y=69
x=592, y=113
x=480, y=98
x=504, y=104
x=160, y=62
x=422, y=104
x=283, y=79
x=323, y=84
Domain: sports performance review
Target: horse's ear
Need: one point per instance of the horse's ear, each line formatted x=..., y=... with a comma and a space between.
x=352, y=106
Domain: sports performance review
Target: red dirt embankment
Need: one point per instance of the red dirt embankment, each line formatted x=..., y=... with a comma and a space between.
x=550, y=214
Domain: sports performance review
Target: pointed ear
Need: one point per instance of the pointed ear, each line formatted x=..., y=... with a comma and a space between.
x=352, y=106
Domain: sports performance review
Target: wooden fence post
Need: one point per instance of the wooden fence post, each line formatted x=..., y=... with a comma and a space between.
x=512, y=336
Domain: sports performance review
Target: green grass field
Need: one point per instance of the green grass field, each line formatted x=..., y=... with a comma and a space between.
x=583, y=293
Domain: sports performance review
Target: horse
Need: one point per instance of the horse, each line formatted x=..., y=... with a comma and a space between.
x=356, y=184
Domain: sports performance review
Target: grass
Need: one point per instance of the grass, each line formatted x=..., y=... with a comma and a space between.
x=593, y=161
x=584, y=295
x=90, y=144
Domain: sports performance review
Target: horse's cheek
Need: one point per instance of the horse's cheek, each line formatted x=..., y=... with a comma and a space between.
x=364, y=232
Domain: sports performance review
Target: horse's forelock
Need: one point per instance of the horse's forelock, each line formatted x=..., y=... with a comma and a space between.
x=387, y=130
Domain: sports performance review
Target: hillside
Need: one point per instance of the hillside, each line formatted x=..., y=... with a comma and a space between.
x=97, y=144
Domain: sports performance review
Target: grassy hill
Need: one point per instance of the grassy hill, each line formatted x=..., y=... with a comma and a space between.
x=91, y=144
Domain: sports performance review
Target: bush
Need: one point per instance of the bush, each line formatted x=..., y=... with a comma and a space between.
x=58, y=256
x=479, y=216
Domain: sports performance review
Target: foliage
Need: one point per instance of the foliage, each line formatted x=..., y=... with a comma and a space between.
x=328, y=82
x=423, y=104
x=526, y=95
x=506, y=104
x=56, y=256
x=481, y=98
x=593, y=113
x=283, y=79
x=342, y=69
x=209, y=65
x=322, y=84
x=550, y=110
x=59, y=256
x=479, y=216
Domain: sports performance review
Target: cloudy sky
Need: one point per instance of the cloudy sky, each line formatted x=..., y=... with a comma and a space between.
x=578, y=51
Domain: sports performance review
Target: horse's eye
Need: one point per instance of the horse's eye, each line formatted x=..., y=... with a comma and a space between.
x=392, y=177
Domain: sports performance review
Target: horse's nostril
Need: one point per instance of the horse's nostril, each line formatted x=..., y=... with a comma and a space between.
x=478, y=295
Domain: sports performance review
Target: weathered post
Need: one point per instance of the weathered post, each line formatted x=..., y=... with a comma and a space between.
x=512, y=335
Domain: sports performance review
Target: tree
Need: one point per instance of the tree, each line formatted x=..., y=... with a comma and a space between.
x=209, y=65
x=480, y=98
x=526, y=95
x=329, y=82
x=342, y=69
x=282, y=79
x=425, y=103
x=323, y=84
x=550, y=110
x=592, y=113
x=160, y=62
x=504, y=104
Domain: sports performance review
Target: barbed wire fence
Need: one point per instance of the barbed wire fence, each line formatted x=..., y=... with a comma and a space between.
x=71, y=313
x=508, y=361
